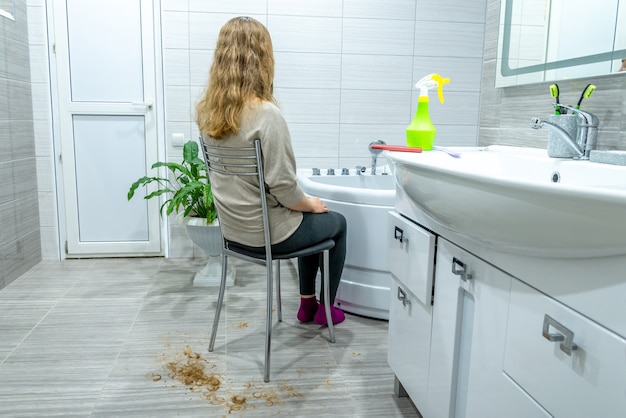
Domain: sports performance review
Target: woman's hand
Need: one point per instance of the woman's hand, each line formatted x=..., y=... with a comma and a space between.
x=317, y=205
x=310, y=204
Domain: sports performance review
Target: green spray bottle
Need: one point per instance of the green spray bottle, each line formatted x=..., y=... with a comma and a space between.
x=421, y=132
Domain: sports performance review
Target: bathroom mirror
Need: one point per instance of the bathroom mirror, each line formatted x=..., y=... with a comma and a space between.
x=550, y=40
x=7, y=9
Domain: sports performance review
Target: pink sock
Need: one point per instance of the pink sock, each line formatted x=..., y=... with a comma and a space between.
x=308, y=308
x=337, y=315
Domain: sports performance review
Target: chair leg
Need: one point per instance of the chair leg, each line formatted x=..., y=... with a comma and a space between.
x=220, y=299
x=279, y=303
x=327, y=301
x=268, y=326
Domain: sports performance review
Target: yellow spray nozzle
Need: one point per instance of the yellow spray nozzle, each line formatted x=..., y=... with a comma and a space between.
x=440, y=82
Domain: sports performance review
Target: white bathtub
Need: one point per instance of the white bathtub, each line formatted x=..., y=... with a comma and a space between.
x=364, y=200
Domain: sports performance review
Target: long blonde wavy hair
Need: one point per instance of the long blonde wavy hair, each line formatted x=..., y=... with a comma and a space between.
x=242, y=71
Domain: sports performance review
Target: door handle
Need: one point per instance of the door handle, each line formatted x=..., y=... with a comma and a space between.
x=147, y=105
x=565, y=335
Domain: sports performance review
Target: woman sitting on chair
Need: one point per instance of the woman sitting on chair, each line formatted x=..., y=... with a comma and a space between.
x=238, y=107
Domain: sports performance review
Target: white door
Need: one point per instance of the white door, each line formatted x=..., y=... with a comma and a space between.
x=106, y=82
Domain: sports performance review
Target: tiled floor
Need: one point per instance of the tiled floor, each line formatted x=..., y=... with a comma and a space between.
x=118, y=338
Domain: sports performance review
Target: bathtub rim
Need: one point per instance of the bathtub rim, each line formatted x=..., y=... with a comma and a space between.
x=355, y=195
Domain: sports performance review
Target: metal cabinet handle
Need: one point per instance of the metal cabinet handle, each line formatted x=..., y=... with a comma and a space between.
x=565, y=335
x=461, y=270
x=398, y=234
x=403, y=297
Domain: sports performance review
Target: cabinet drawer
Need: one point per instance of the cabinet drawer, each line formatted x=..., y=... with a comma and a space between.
x=409, y=342
x=410, y=256
x=589, y=381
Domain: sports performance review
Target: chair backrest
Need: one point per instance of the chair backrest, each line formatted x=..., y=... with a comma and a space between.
x=244, y=161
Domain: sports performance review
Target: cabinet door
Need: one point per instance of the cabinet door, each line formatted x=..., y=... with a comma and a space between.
x=570, y=364
x=470, y=310
x=409, y=342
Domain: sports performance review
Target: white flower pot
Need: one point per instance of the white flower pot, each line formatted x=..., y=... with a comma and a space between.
x=209, y=238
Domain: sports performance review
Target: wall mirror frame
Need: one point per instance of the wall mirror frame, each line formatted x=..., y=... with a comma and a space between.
x=552, y=40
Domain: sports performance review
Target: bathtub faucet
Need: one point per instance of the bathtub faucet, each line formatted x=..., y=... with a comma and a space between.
x=375, y=153
x=360, y=170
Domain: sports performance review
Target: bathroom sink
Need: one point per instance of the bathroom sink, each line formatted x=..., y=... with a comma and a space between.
x=518, y=199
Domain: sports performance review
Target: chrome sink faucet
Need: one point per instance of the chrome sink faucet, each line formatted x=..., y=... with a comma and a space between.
x=375, y=153
x=586, y=138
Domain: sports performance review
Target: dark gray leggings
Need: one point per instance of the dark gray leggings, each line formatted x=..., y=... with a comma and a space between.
x=316, y=227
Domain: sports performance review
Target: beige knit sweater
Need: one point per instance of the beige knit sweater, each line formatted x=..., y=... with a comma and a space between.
x=237, y=198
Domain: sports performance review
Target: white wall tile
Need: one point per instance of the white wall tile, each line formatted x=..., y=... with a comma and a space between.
x=315, y=140
x=200, y=61
x=452, y=10
x=175, y=29
x=49, y=242
x=44, y=146
x=47, y=209
x=456, y=135
x=38, y=57
x=449, y=39
x=355, y=138
x=309, y=105
x=37, y=31
x=175, y=5
x=375, y=36
x=460, y=108
x=41, y=101
x=180, y=246
x=195, y=94
x=306, y=70
x=376, y=72
x=375, y=106
x=305, y=34
x=177, y=101
x=176, y=67
x=45, y=175
x=328, y=8
x=376, y=9
x=237, y=7
x=205, y=27
x=464, y=73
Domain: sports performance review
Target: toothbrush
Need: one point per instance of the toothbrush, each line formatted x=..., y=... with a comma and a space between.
x=586, y=94
x=554, y=92
x=447, y=151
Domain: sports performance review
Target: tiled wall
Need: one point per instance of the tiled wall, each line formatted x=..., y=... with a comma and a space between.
x=506, y=112
x=20, y=247
x=345, y=71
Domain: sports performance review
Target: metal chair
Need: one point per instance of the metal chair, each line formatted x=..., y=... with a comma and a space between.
x=248, y=162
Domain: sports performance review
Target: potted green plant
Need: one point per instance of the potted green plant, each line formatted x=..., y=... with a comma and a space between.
x=188, y=192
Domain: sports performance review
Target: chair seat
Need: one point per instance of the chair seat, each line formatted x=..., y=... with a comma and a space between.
x=314, y=249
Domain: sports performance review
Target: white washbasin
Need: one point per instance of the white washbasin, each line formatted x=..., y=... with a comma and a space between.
x=519, y=200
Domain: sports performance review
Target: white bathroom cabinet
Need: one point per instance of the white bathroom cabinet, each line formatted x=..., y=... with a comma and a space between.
x=466, y=338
